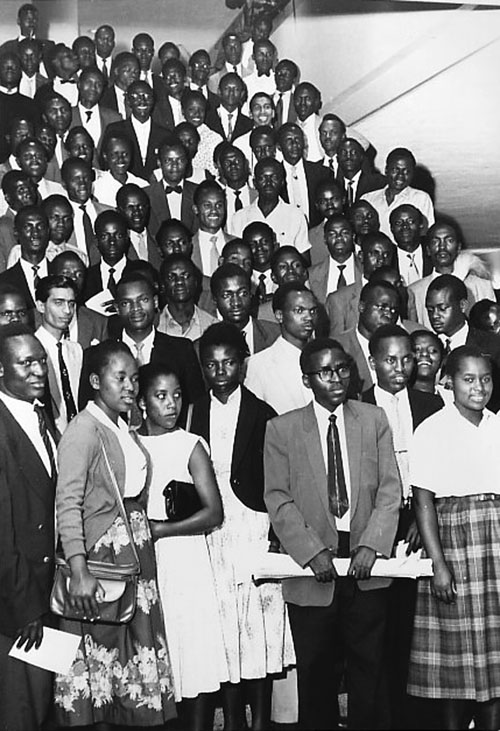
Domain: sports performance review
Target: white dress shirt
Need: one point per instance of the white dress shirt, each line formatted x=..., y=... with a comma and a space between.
x=223, y=422
x=27, y=85
x=49, y=187
x=411, y=266
x=206, y=244
x=106, y=186
x=224, y=118
x=296, y=184
x=364, y=345
x=200, y=321
x=117, y=273
x=334, y=273
x=332, y=163
x=289, y=224
x=202, y=89
x=93, y=124
x=457, y=339
x=271, y=286
x=78, y=221
x=323, y=420
x=139, y=241
x=142, y=131
x=30, y=274
x=412, y=196
x=140, y=350
x=286, y=99
x=248, y=334
x=263, y=84
x=354, y=181
x=231, y=199
x=310, y=128
x=174, y=201
x=69, y=90
x=25, y=415
x=398, y=412
x=177, y=113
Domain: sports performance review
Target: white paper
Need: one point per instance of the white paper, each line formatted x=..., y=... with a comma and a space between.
x=56, y=653
x=101, y=302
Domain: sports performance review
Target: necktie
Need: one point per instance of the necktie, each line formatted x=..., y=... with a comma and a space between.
x=341, y=282
x=350, y=193
x=279, y=110
x=263, y=73
x=261, y=288
x=413, y=273
x=173, y=189
x=42, y=427
x=69, y=401
x=68, y=81
x=400, y=447
x=337, y=490
x=331, y=165
x=230, y=125
x=89, y=114
x=238, y=205
x=214, y=255
x=140, y=244
x=87, y=229
x=36, y=278
x=139, y=350
x=105, y=70
x=112, y=281
x=235, y=69
x=447, y=351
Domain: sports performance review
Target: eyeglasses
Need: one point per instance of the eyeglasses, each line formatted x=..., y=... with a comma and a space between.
x=12, y=314
x=326, y=374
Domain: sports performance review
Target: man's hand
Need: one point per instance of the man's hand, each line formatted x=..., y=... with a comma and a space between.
x=323, y=567
x=31, y=634
x=362, y=563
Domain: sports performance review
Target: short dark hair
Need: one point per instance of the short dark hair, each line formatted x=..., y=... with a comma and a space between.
x=149, y=372
x=224, y=333
x=231, y=243
x=384, y=332
x=190, y=95
x=254, y=226
x=316, y=346
x=130, y=188
x=289, y=127
x=9, y=289
x=187, y=127
x=174, y=259
x=53, y=281
x=9, y=331
x=452, y=284
x=171, y=223
x=290, y=63
x=68, y=255
x=109, y=216
x=227, y=271
x=74, y=162
x=478, y=311
x=263, y=129
x=11, y=179
x=287, y=249
x=207, y=186
x=395, y=211
x=426, y=333
x=458, y=355
x=281, y=295
x=372, y=238
x=268, y=161
x=29, y=211
x=135, y=277
x=56, y=199
x=173, y=63
x=372, y=286
x=120, y=59
x=27, y=142
x=400, y=152
x=73, y=132
x=98, y=356
x=334, y=118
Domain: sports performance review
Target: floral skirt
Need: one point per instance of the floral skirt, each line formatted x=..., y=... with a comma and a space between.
x=122, y=673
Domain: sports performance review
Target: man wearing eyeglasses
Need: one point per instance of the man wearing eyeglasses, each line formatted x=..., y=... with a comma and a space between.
x=13, y=307
x=332, y=490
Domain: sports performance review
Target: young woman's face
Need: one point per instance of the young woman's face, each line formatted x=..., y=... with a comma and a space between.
x=116, y=386
x=472, y=385
x=162, y=403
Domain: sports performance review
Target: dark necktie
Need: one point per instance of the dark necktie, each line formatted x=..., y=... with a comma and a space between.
x=69, y=401
x=279, y=110
x=229, y=126
x=447, y=351
x=264, y=73
x=68, y=81
x=112, y=281
x=337, y=490
x=88, y=229
x=105, y=70
x=235, y=69
x=261, y=289
x=89, y=114
x=350, y=193
x=238, y=205
x=341, y=282
x=173, y=189
x=331, y=165
x=42, y=427
x=36, y=278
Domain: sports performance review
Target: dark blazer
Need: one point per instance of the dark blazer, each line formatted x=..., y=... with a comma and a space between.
x=93, y=282
x=315, y=173
x=247, y=466
x=91, y=326
x=367, y=182
x=11, y=106
x=160, y=210
x=107, y=116
x=108, y=99
x=15, y=277
x=7, y=237
x=243, y=124
x=427, y=262
x=162, y=112
x=157, y=135
x=26, y=528
x=422, y=405
x=350, y=343
x=264, y=334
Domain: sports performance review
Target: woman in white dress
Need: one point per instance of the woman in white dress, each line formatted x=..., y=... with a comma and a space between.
x=185, y=578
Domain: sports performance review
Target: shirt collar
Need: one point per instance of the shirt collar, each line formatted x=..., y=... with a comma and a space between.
x=147, y=342
x=234, y=400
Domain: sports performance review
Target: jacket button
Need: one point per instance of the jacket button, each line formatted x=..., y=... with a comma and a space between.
x=40, y=526
x=46, y=559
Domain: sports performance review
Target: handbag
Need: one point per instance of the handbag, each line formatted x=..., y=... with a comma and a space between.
x=119, y=582
x=181, y=500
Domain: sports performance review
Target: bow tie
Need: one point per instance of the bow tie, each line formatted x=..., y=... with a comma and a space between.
x=68, y=81
x=263, y=73
x=173, y=189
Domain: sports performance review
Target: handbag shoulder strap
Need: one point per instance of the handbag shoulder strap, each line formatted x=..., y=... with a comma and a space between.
x=119, y=500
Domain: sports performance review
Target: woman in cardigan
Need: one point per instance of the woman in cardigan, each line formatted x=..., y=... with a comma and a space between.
x=121, y=674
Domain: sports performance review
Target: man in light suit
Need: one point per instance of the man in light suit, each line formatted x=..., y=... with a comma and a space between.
x=209, y=206
x=333, y=490
x=135, y=205
x=27, y=540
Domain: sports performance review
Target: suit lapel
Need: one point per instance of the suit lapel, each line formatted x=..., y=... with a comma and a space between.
x=315, y=457
x=354, y=441
x=244, y=426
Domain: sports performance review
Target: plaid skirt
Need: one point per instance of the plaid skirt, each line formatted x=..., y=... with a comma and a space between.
x=456, y=647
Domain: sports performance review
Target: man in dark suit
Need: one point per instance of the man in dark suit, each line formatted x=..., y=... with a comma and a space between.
x=173, y=195
x=353, y=171
x=227, y=119
x=27, y=540
x=199, y=71
x=104, y=39
x=12, y=103
x=286, y=74
x=30, y=57
x=124, y=70
x=168, y=108
x=19, y=191
x=90, y=113
x=145, y=135
x=332, y=131
x=133, y=202
x=332, y=489
x=412, y=258
x=27, y=20
x=328, y=201
x=231, y=290
x=301, y=176
x=232, y=53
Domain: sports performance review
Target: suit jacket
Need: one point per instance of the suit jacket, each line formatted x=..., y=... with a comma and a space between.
x=350, y=343
x=91, y=326
x=318, y=279
x=108, y=99
x=367, y=182
x=162, y=112
x=15, y=277
x=264, y=334
x=422, y=405
x=247, y=467
x=315, y=173
x=156, y=136
x=196, y=257
x=107, y=116
x=160, y=210
x=427, y=262
x=7, y=237
x=297, y=498
x=243, y=124
x=154, y=256
x=26, y=528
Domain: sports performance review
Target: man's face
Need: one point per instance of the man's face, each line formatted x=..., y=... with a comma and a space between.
x=33, y=160
x=232, y=50
x=221, y=369
x=91, y=88
x=28, y=23
x=189, y=141
x=174, y=81
x=263, y=55
x=144, y=50
x=261, y=30
x=234, y=300
x=136, y=306
x=211, y=210
x=65, y=63
x=330, y=202
x=12, y=309
x=78, y=183
x=141, y=101
x=269, y=180
x=180, y=282
x=299, y=316
x=22, y=194
x=231, y=93
x=112, y=242
x=399, y=173
x=261, y=110
x=200, y=68
x=406, y=227
x=29, y=58
x=284, y=76
x=136, y=210
x=263, y=146
x=350, y=157
x=24, y=368
x=443, y=247
x=378, y=254
x=57, y=312
x=446, y=314
x=60, y=222
x=262, y=244
x=292, y=145
x=82, y=146
x=58, y=115
x=364, y=218
x=74, y=269
x=332, y=392
x=173, y=162
x=289, y=267
x=20, y=130
x=10, y=71
x=85, y=53
x=127, y=72
x=379, y=308
x=104, y=41
x=393, y=363
x=47, y=136
x=339, y=240
x=241, y=255
x=33, y=235
x=306, y=100
x=175, y=240
x=117, y=157
x=331, y=133
x=234, y=167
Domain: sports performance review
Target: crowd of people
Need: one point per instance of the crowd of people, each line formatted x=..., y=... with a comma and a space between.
x=225, y=332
